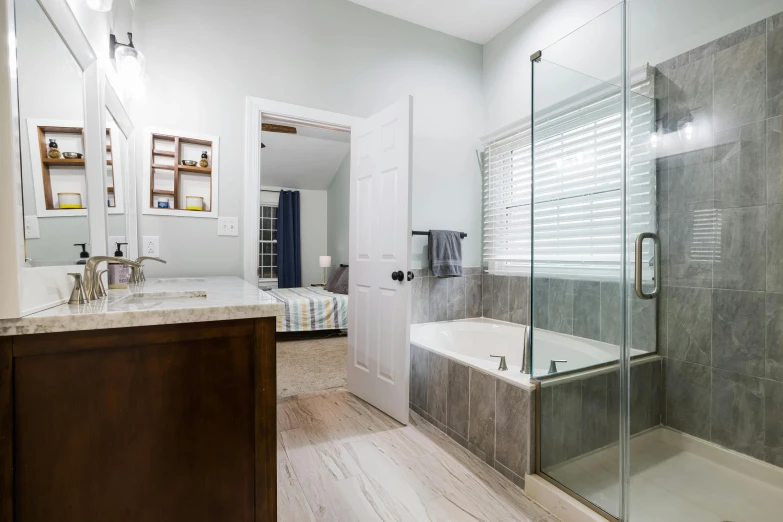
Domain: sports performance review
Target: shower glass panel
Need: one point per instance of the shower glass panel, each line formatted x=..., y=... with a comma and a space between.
x=717, y=85
x=657, y=240
x=578, y=266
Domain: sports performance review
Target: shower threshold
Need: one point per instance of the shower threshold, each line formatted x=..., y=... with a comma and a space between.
x=676, y=477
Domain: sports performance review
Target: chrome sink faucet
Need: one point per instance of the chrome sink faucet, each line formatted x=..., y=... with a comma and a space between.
x=137, y=272
x=93, y=287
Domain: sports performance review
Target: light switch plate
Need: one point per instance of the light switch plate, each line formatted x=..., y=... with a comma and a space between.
x=228, y=226
x=150, y=246
x=31, y=230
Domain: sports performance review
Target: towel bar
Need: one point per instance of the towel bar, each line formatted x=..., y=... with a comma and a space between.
x=462, y=235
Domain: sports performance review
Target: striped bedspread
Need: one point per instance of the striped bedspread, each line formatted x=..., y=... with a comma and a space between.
x=311, y=308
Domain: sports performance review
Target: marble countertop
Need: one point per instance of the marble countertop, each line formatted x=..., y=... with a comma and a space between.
x=162, y=301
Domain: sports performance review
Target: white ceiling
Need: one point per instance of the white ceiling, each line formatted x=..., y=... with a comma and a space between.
x=473, y=20
x=307, y=160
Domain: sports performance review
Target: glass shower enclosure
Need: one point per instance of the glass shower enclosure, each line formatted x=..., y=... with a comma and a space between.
x=657, y=327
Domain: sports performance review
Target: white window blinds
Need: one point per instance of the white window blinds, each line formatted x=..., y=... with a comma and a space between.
x=578, y=205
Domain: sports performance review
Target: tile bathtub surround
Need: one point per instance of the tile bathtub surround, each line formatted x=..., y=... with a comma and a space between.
x=721, y=225
x=588, y=309
x=445, y=299
x=582, y=415
x=488, y=416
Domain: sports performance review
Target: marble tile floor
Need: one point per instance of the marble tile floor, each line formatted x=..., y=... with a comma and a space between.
x=678, y=478
x=339, y=459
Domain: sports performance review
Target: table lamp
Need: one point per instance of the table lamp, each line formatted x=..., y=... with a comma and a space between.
x=325, y=262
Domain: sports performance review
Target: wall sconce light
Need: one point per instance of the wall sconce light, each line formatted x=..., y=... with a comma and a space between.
x=128, y=60
x=102, y=6
x=687, y=128
x=655, y=137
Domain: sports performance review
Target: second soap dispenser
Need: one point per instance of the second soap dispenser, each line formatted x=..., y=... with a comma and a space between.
x=119, y=273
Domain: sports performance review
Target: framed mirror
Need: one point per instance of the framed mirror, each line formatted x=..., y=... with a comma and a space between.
x=52, y=146
x=118, y=180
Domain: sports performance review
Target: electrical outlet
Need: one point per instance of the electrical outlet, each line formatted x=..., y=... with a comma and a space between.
x=228, y=226
x=31, y=230
x=151, y=246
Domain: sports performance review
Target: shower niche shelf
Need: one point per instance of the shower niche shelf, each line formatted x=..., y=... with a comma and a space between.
x=168, y=180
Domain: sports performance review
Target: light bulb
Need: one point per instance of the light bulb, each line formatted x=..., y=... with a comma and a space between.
x=130, y=64
x=102, y=6
x=687, y=130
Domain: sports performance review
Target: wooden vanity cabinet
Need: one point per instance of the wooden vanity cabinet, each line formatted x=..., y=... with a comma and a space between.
x=158, y=423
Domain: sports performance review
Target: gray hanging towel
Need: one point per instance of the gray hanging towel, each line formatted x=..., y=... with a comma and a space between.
x=445, y=251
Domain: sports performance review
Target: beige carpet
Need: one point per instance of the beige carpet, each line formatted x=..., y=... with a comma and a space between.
x=310, y=365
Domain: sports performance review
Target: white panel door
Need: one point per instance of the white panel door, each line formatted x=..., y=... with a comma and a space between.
x=379, y=247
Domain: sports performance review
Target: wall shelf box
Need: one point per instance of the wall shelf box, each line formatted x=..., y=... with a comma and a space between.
x=167, y=179
x=53, y=175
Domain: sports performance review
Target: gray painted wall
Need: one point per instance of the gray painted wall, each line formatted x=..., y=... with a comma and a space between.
x=345, y=59
x=338, y=206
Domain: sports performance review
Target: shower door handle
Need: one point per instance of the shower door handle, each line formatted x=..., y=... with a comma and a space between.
x=638, y=265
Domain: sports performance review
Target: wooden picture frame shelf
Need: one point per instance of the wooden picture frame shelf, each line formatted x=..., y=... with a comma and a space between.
x=111, y=202
x=42, y=133
x=170, y=180
x=47, y=162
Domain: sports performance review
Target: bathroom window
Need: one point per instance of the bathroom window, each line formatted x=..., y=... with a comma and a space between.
x=578, y=188
x=267, y=252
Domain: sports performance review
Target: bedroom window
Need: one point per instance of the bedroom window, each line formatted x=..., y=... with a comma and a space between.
x=267, y=253
x=578, y=189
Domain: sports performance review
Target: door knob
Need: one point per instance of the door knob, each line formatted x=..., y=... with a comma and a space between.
x=410, y=276
x=398, y=275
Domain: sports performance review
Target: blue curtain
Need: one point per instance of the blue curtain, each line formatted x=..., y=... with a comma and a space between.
x=289, y=248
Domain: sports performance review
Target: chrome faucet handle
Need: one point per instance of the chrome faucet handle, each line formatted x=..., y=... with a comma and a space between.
x=137, y=273
x=77, y=294
x=91, y=283
x=553, y=364
x=503, y=367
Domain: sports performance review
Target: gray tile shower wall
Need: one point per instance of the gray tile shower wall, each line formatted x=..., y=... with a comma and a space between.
x=588, y=309
x=488, y=416
x=582, y=414
x=445, y=299
x=721, y=225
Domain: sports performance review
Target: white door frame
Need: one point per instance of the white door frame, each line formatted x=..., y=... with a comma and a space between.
x=255, y=108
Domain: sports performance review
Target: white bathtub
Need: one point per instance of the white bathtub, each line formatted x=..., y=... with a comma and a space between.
x=473, y=341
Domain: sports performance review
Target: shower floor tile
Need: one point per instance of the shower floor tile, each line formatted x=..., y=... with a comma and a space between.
x=676, y=478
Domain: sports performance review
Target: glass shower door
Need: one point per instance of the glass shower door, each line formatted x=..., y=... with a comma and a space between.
x=577, y=268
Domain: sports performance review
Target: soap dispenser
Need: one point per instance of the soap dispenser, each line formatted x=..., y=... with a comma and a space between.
x=119, y=273
x=54, y=151
x=84, y=255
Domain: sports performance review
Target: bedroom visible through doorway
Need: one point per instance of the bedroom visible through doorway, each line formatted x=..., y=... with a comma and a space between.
x=303, y=248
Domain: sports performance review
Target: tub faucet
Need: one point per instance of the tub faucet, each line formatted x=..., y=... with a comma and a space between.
x=526, y=352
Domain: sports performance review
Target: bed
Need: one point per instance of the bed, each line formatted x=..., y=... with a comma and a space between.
x=311, y=309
